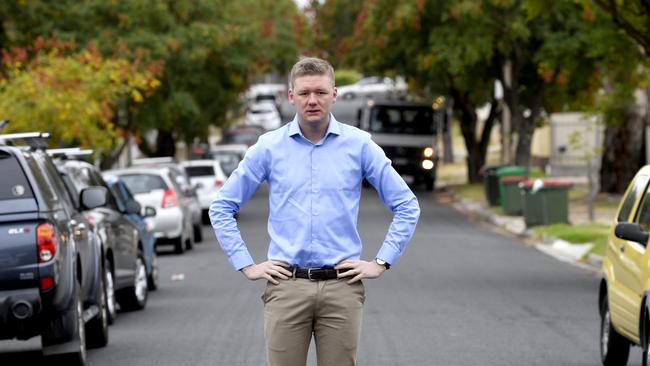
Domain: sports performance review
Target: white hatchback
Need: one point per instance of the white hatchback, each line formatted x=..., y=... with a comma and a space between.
x=207, y=177
x=159, y=188
x=264, y=114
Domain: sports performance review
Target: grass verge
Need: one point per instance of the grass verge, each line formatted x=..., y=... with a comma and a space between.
x=580, y=233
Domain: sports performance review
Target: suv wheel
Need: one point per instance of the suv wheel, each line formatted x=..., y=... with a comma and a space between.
x=198, y=234
x=97, y=328
x=614, y=348
x=152, y=279
x=111, y=304
x=135, y=297
x=179, y=245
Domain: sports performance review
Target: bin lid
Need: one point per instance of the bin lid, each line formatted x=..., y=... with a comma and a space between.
x=511, y=170
x=548, y=183
x=512, y=179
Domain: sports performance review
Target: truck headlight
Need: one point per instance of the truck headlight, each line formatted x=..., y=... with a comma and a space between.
x=428, y=152
x=427, y=164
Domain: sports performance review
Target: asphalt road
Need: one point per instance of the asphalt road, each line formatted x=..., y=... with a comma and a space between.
x=460, y=295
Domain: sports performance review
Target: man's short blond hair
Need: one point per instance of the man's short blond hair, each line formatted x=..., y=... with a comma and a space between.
x=310, y=66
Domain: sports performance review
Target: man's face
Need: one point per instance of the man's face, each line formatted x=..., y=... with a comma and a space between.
x=313, y=96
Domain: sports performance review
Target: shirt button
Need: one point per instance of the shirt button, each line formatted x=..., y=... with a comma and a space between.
x=315, y=190
x=315, y=213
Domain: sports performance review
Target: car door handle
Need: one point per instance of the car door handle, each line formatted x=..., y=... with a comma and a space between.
x=622, y=248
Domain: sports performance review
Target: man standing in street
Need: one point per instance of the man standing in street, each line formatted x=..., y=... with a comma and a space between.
x=314, y=167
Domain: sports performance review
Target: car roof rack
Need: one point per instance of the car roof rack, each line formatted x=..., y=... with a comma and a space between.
x=35, y=140
x=69, y=152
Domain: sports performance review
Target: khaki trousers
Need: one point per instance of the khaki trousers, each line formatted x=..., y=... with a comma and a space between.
x=297, y=308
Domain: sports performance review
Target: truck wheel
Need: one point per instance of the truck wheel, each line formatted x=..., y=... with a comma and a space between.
x=614, y=348
x=429, y=183
x=72, y=320
x=97, y=328
x=135, y=297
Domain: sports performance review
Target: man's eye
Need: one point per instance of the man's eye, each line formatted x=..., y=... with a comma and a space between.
x=302, y=94
x=322, y=93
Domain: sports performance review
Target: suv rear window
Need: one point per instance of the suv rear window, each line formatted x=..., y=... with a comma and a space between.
x=402, y=120
x=143, y=183
x=199, y=170
x=14, y=183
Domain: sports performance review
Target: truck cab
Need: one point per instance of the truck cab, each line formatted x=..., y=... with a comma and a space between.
x=406, y=131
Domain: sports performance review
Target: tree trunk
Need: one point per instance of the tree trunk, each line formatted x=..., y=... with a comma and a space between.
x=165, y=144
x=622, y=155
x=525, y=132
x=448, y=152
x=476, y=150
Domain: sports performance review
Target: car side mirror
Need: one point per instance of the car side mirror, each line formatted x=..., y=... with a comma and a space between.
x=133, y=207
x=93, y=197
x=197, y=185
x=149, y=211
x=632, y=232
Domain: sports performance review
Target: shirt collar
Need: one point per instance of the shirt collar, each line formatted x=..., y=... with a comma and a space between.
x=334, y=127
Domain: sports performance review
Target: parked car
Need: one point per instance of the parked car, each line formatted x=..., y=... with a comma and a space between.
x=373, y=86
x=208, y=178
x=624, y=296
x=158, y=187
x=228, y=156
x=122, y=246
x=143, y=222
x=242, y=134
x=264, y=114
x=188, y=194
x=51, y=276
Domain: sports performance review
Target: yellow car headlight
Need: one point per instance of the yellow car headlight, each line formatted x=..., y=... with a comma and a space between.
x=428, y=152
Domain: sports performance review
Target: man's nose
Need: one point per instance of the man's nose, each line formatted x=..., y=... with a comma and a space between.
x=312, y=98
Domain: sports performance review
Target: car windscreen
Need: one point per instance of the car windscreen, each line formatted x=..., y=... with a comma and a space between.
x=200, y=170
x=14, y=183
x=402, y=120
x=228, y=160
x=143, y=183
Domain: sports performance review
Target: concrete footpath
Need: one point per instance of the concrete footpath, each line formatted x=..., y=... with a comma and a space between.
x=574, y=254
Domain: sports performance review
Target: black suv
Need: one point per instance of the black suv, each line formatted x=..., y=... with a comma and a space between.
x=122, y=251
x=51, y=280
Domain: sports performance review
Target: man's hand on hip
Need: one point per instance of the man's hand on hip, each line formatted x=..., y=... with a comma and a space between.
x=358, y=269
x=269, y=270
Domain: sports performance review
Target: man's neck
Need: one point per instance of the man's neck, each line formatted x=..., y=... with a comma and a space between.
x=314, y=132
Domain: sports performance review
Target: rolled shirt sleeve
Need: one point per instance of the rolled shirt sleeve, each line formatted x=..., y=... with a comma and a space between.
x=237, y=190
x=397, y=196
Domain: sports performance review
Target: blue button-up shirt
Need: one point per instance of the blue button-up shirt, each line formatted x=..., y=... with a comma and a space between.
x=314, y=193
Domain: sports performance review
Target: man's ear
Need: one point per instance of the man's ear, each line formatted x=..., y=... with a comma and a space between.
x=336, y=92
x=290, y=95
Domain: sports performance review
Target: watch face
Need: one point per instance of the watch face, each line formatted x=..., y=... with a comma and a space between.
x=380, y=262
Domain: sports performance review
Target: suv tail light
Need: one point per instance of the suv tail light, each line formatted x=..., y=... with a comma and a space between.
x=218, y=183
x=46, y=240
x=169, y=199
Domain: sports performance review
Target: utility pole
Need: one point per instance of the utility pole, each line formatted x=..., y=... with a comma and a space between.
x=506, y=119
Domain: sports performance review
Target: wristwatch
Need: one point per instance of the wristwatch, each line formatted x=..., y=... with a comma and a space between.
x=382, y=262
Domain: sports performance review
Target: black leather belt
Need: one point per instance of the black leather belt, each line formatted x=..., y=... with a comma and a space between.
x=316, y=274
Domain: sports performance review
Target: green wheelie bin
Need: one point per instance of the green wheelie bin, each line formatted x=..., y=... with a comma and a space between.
x=546, y=202
x=508, y=171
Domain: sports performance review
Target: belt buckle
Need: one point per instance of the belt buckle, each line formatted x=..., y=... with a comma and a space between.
x=309, y=274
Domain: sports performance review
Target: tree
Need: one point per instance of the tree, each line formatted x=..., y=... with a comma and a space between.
x=47, y=87
x=625, y=70
x=210, y=50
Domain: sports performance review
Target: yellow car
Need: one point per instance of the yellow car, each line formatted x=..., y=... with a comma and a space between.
x=625, y=288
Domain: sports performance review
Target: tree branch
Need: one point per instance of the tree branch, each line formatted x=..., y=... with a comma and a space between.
x=611, y=8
